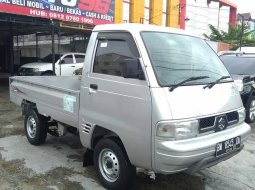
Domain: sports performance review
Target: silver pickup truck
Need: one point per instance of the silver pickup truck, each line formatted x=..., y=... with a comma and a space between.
x=149, y=97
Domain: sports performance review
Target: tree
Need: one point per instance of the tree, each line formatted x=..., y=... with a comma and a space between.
x=233, y=35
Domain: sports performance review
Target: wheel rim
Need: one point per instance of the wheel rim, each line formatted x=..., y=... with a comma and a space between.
x=109, y=165
x=252, y=110
x=31, y=127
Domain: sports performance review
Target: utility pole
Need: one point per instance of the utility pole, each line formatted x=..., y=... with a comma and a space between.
x=241, y=36
x=53, y=46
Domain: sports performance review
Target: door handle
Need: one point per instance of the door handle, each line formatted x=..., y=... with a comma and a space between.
x=93, y=86
x=72, y=66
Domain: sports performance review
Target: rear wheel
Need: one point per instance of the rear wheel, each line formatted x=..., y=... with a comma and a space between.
x=250, y=110
x=112, y=165
x=35, y=127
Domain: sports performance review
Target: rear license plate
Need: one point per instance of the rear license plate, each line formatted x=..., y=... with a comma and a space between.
x=228, y=146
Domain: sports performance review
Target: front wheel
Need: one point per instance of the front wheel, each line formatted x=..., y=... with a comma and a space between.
x=112, y=165
x=250, y=110
x=47, y=73
x=35, y=127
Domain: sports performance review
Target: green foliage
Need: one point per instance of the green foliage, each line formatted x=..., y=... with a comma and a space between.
x=233, y=35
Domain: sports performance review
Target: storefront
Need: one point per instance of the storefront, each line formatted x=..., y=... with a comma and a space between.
x=31, y=29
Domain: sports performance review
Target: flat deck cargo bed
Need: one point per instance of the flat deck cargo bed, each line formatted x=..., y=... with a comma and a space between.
x=57, y=97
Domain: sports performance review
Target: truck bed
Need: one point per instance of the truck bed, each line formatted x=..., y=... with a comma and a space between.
x=57, y=97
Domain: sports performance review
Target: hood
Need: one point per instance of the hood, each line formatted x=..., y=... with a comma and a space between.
x=36, y=65
x=194, y=101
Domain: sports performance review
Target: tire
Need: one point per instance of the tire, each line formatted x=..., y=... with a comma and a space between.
x=35, y=127
x=47, y=73
x=250, y=110
x=115, y=172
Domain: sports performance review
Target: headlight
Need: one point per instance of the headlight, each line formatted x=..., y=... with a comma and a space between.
x=178, y=130
x=239, y=85
x=241, y=115
x=35, y=69
x=25, y=69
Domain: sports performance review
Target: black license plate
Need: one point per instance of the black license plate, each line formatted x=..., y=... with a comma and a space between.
x=228, y=146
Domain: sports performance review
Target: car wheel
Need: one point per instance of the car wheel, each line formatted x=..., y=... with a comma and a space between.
x=35, y=127
x=47, y=74
x=112, y=165
x=250, y=110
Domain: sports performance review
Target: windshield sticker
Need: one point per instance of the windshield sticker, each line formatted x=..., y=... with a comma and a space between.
x=103, y=44
x=68, y=103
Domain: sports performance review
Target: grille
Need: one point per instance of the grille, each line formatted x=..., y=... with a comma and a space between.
x=232, y=117
x=206, y=124
x=86, y=128
x=29, y=70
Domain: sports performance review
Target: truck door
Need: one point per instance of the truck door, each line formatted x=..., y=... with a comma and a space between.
x=121, y=105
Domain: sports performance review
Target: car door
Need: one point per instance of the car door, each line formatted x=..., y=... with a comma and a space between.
x=79, y=61
x=67, y=65
x=122, y=105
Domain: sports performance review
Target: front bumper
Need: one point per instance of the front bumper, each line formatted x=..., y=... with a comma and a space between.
x=196, y=153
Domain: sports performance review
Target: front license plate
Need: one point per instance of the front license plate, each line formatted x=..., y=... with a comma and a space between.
x=228, y=146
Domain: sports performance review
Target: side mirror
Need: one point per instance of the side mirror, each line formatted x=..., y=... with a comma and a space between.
x=247, y=79
x=62, y=61
x=132, y=69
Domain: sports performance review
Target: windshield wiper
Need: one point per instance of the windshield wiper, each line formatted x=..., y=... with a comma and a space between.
x=210, y=85
x=187, y=80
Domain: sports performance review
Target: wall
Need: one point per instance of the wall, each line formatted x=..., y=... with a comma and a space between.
x=191, y=15
x=157, y=12
x=200, y=15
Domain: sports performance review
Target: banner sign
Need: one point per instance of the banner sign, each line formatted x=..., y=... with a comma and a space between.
x=81, y=11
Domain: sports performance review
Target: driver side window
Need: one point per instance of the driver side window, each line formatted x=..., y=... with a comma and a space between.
x=110, y=55
x=67, y=59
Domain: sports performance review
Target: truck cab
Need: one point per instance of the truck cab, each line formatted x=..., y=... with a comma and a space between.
x=137, y=73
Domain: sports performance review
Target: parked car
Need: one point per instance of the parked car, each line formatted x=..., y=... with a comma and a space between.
x=247, y=49
x=149, y=97
x=64, y=65
x=242, y=69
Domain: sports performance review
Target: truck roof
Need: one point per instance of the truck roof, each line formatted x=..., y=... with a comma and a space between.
x=133, y=27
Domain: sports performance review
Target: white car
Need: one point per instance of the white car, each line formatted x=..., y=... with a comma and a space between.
x=246, y=49
x=65, y=65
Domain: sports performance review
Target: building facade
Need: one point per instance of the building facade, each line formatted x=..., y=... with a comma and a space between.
x=249, y=19
x=192, y=15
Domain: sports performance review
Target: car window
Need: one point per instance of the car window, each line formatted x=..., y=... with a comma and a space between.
x=79, y=58
x=48, y=58
x=242, y=65
x=110, y=54
x=67, y=59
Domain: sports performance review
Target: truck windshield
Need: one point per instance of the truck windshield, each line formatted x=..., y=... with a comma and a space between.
x=178, y=57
